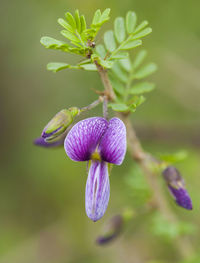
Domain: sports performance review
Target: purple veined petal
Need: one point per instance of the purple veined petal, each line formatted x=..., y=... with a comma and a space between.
x=84, y=137
x=97, y=190
x=181, y=197
x=41, y=142
x=113, y=143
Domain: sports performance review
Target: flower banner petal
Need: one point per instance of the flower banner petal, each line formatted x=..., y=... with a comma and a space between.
x=84, y=137
x=97, y=190
x=113, y=143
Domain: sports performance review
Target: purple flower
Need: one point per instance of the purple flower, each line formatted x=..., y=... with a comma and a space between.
x=176, y=186
x=100, y=142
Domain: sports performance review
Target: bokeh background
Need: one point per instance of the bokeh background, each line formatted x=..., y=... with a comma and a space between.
x=42, y=217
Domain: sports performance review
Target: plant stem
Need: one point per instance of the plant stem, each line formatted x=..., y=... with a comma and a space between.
x=92, y=105
x=145, y=160
x=105, y=108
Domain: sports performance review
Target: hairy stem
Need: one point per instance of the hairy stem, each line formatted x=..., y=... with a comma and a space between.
x=145, y=160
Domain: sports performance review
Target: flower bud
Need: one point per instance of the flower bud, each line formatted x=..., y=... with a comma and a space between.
x=59, y=124
x=176, y=186
x=114, y=228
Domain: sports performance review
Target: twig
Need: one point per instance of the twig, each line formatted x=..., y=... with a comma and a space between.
x=105, y=108
x=92, y=105
x=144, y=160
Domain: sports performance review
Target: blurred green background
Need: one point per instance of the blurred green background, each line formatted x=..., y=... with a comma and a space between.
x=42, y=217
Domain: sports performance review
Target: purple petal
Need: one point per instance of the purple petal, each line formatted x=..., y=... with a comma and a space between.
x=113, y=143
x=84, y=137
x=41, y=142
x=97, y=190
x=181, y=196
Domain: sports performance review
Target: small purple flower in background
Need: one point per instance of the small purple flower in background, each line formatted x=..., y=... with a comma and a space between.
x=176, y=186
x=114, y=228
x=100, y=142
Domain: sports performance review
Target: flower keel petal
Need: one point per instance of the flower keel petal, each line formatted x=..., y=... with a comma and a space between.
x=113, y=143
x=97, y=191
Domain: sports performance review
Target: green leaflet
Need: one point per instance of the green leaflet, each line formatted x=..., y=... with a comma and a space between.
x=70, y=36
x=142, y=33
x=56, y=66
x=64, y=24
x=100, y=50
x=141, y=87
x=78, y=21
x=119, y=29
x=125, y=64
x=97, y=17
x=139, y=58
x=131, y=44
x=109, y=41
x=118, y=107
x=119, y=73
x=71, y=20
x=131, y=20
x=90, y=67
x=145, y=71
x=172, y=158
x=50, y=42
x=141, y=26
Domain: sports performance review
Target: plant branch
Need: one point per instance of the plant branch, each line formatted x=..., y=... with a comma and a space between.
x=145, y=162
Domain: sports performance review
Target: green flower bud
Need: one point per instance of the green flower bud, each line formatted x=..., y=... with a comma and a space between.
x=59, y=123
